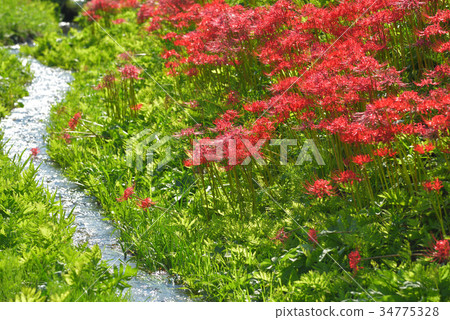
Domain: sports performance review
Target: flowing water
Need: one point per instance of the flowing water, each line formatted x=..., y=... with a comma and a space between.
x=24, y=129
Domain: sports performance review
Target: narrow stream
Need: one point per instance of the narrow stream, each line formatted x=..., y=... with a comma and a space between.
x=24, y=129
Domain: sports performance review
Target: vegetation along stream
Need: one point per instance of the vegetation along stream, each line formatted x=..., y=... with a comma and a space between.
x=25, y=129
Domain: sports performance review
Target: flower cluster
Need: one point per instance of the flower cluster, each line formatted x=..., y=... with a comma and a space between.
x=431, y=186
x=97, y=9
x=35, y=152
x=129, y=193
x=312, y=236
x=441, y=251
x=320, y=188
x=281, y=236
x=73, y=122
x=130, y=71
x=354, y=258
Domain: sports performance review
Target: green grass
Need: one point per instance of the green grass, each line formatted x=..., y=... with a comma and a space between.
x=13, y=78
x=38, y=261
x=22, y=20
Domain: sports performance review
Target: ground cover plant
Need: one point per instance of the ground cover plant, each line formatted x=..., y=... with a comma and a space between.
x=22, y=20
x=366, y=83
x=13, y=78
x=38, y=261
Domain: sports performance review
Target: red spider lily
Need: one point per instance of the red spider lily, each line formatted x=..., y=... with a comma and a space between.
x=440, y=122
x=256, y=107
x=233, y=97
x=263, y=128
x=312, y=236
x=345, y=177
x=191, y=72
x=74, y=121
x=170, y=53
x=441, y=251
x=136, y=107
x=384, y=152
x=107, y=82
x=67, y=138
x=145, y=203
x=320, y=188
x=127, y=194
x=130, y=71
x=101, y=6
x=35, y=151
x=354, y=259
x=281, y=236
x=424, y=148
x=431, y=186
x=129, y=3
x=230, y=115
x=192, y=104
x=188, y=163
x=362, y=159
x=118, y=21
x=189, y=132
x=125, y=56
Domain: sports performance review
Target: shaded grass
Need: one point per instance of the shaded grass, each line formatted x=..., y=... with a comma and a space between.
x=23, y=20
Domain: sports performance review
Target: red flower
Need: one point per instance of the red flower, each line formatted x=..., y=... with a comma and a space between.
x=188, y=163
x=67, y=137
x=233, y=97
x=312, y=236
x=118, y=21
x=347, y=176
x=146, y=203
x=435, y=185
x=354, y=259
x=192, y=104
x=320, y=188
x=35, y=151
x=423, y=148
x=126, y=194
x=193, y=131
x=125, y=56
x=130, y=72
x=136, y=107
x=441, y=251
x=107, y=81
x=170, y=53
x=362, y=159
x=74, y=121
x=280, y=236
x=384, y=152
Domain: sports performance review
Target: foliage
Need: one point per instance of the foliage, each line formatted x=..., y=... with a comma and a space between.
x=13, y=78
x=373, y=102
x=38, y=261
x=23, y=20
